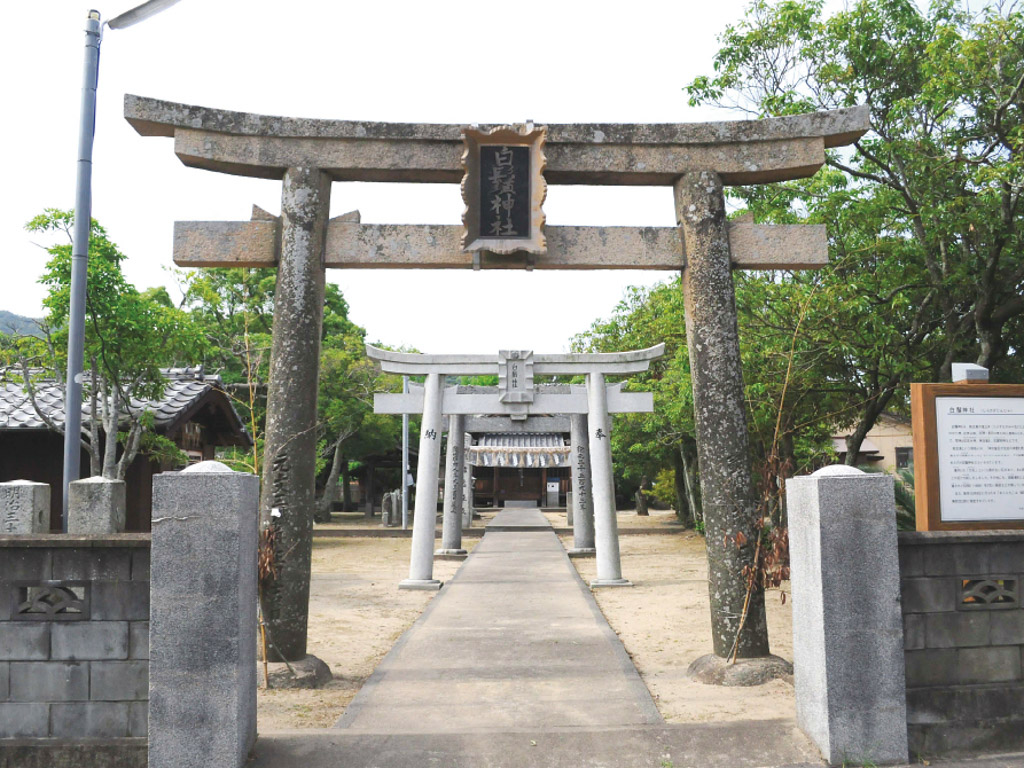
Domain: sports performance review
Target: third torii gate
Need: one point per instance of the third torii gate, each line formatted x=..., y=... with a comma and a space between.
x=516, y=396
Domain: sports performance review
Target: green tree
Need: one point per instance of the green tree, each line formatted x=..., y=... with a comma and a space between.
x=924, y=212
x=235, y=309
x=128, y=337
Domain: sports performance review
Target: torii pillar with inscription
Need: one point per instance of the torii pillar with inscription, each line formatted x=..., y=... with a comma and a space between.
x=696, y=160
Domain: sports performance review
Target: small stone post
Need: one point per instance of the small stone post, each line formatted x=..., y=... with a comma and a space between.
x=421, y=559
x=847, y=624
x=723, y=454
x=24, y=507
x=606, y=526
x=454, y=487
x=289, y=457
x=202, y=632
x=467, y=491
x=96, y=505
x=582, y=497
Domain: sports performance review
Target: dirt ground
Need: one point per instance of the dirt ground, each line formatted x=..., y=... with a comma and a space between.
x=357, y=613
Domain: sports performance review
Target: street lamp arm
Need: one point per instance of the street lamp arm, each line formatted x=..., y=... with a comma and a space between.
x=139, y=13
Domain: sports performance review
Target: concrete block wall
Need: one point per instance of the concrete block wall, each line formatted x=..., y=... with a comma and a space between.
x=963, y=620
x=74, y=669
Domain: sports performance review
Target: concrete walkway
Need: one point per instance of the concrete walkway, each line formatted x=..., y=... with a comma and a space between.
x=513, y=664
x=514, y=641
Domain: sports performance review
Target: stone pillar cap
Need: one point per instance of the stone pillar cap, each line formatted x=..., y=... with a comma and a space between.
x=22, y=482
x=207, y=466
x=97, y=479
x=968, y=372
x=836, y=470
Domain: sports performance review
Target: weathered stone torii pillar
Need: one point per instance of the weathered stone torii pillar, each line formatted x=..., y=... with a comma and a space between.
x=517, y=397
x=696, y=159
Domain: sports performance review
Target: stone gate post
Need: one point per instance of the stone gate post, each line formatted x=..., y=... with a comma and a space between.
x=454, y=488
x=421, y=562
x=202, y=632
x=606, y=526
x=847, y=624
x=289, y=457
x=467, y=491
x=582, y=497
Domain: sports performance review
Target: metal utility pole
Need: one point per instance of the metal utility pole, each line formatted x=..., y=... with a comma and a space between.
x=80, y=238
x=80, y=260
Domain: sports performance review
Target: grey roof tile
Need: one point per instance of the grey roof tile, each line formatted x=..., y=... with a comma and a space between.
x=184, y=387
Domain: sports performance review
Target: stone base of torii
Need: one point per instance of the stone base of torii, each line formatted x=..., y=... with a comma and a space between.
x=517, y=398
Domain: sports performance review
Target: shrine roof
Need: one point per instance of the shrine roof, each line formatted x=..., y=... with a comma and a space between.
x=187, y=390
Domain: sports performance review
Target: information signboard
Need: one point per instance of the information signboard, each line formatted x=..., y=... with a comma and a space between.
x=969, y=455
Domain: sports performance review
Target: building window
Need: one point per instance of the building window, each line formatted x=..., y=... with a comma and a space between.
x=904, y=458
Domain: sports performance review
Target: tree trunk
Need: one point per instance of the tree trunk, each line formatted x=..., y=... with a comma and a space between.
x=95, y=466
x=131, y=449
x=111, y=413
x=688, y=457
x=323, y=507
x=872, y=410
x=683, y=509
x=346, y=491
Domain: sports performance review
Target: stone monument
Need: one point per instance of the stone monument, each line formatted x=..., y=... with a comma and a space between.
x=24, y=507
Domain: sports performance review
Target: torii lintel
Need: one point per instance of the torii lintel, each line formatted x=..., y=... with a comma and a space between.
x=263, y=146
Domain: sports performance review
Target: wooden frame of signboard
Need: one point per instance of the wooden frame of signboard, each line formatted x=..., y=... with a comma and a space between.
x=926, y=453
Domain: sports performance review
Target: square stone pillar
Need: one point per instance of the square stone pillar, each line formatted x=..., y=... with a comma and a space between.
x=96, y=505
x=24, y=507
x=202, y=633
x=847, y=623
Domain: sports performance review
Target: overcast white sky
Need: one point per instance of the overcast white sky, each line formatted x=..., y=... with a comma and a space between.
x=445, y=62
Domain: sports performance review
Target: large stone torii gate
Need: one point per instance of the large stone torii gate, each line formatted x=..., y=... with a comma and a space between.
x=517, y=397
x=696, y=160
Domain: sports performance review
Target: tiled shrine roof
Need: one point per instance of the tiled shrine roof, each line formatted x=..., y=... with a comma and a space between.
x=186, y=388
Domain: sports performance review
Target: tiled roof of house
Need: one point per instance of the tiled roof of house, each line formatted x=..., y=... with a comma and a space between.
x=185, y=386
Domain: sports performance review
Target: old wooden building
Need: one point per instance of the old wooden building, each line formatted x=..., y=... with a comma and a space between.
x=194, y=412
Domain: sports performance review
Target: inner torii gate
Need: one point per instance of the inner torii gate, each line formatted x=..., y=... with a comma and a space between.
x=697, y=160
x=517, y=397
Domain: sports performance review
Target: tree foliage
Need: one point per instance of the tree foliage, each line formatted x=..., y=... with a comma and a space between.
x=924, y=212
x=129, y=336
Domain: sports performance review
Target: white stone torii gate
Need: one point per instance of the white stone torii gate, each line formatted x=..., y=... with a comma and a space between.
x=516, y=397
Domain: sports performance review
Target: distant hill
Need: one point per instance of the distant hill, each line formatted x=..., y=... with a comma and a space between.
x=16, y=324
